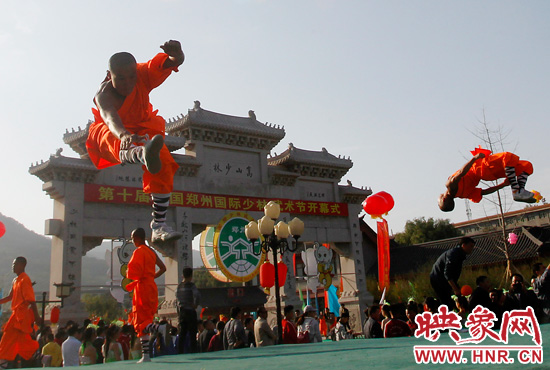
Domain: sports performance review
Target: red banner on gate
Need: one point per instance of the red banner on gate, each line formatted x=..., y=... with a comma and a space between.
x=95, y=193
x=383, y=255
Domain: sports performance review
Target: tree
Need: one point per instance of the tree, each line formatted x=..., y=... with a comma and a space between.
x=421, y=230
x=103, y=305
x=203, y=279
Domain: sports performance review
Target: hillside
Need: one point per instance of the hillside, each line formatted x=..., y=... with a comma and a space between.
x=19, y=241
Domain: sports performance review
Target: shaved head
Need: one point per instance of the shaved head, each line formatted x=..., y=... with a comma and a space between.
x=121, y=59
x=21, y=260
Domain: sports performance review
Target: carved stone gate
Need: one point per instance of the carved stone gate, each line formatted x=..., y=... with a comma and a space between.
x=225, y=166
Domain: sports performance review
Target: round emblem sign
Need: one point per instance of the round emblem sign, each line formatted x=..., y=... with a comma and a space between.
x=207, y=254
x=233, y=251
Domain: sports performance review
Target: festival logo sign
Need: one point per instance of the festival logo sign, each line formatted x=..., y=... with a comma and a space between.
x=233, y=251
x=207, y=254
x=479, y=325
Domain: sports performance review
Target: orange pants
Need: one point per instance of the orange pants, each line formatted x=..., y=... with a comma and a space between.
x=104, y=147
x=16, y=342
x=493, y=167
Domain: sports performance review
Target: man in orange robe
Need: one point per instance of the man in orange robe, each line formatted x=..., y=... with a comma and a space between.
x=127, y=130
x=17, y=339
x=463, y=183
x=141, y=269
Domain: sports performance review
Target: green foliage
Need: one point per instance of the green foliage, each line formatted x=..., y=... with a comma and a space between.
x=203, y=279
x=421, y=230
x=416, y=285
x=104, y=306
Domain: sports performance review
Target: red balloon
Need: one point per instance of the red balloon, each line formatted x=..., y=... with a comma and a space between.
x=466, y=290
x=267, y=275
x=378, y=204
x=282, y=269
x=389, y=200
x=54, y=315
x=2, y=229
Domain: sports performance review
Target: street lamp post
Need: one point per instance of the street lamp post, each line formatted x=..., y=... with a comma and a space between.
x=274, y=239
x=62, y=290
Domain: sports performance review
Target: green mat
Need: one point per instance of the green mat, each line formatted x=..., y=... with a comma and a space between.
x=394, y=353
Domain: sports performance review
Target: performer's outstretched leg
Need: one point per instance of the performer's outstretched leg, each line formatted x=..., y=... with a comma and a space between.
x=160, y=230
x=518, y=186
x=149, y=154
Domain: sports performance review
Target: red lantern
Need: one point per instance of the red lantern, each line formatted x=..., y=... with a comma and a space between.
x=54, y=315
x=267, y=275
x=378, y=204
x=2, y=229
x=282, y=269
x=466, y=290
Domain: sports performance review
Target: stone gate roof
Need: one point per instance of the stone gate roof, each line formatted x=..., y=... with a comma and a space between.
x=203, y=125
x=311, y=163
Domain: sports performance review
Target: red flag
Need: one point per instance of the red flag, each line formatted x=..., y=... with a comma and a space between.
x=383, y=255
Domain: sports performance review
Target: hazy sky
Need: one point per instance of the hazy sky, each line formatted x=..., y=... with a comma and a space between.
x=395, y=85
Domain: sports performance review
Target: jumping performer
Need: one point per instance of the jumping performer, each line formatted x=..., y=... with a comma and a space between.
x=128, y=130
x=508, y=166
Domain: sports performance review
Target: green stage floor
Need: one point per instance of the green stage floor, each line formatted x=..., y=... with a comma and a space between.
x=394, y=353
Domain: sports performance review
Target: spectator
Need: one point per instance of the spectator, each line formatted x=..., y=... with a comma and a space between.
x=323, y=325
x=188, y=300
x=98, y=343
x=60, y=336
x=290, y=335
x=343, y=309
x=462, y=308
x=263, y=334
x=53, y=350
x=135, y=347
x=431, y=305
x=206, y=336
x=497, y=305
x=216, y=343
x=307, y=323
x=71, y=347
x=41, y=338
x=112, y=350
x=541, y=287
x=412, y=311
x=519, y=297
x=124, y=340
x=480, y=295
x=397, y=326
x=297, y=314
x=386, y=314
x=447, y=269
x=234, y=336
x=372, y=328
x=88, y=353
x=249, y=332
x=341, y=330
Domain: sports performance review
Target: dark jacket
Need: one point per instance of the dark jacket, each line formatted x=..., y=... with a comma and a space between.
x=479, y=297
x=448, y=266
x=541, y=287
x=372, y=329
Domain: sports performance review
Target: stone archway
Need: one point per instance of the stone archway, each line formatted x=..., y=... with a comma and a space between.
x=226, y=166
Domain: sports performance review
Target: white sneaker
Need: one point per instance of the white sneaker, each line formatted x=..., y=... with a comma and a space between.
x=163, y=232
x=523, y=195
x=145, y=358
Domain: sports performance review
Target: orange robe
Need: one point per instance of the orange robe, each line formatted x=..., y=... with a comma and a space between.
x=489, y=168
x=17, y=339
x=138, y=117
x=141, y=269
